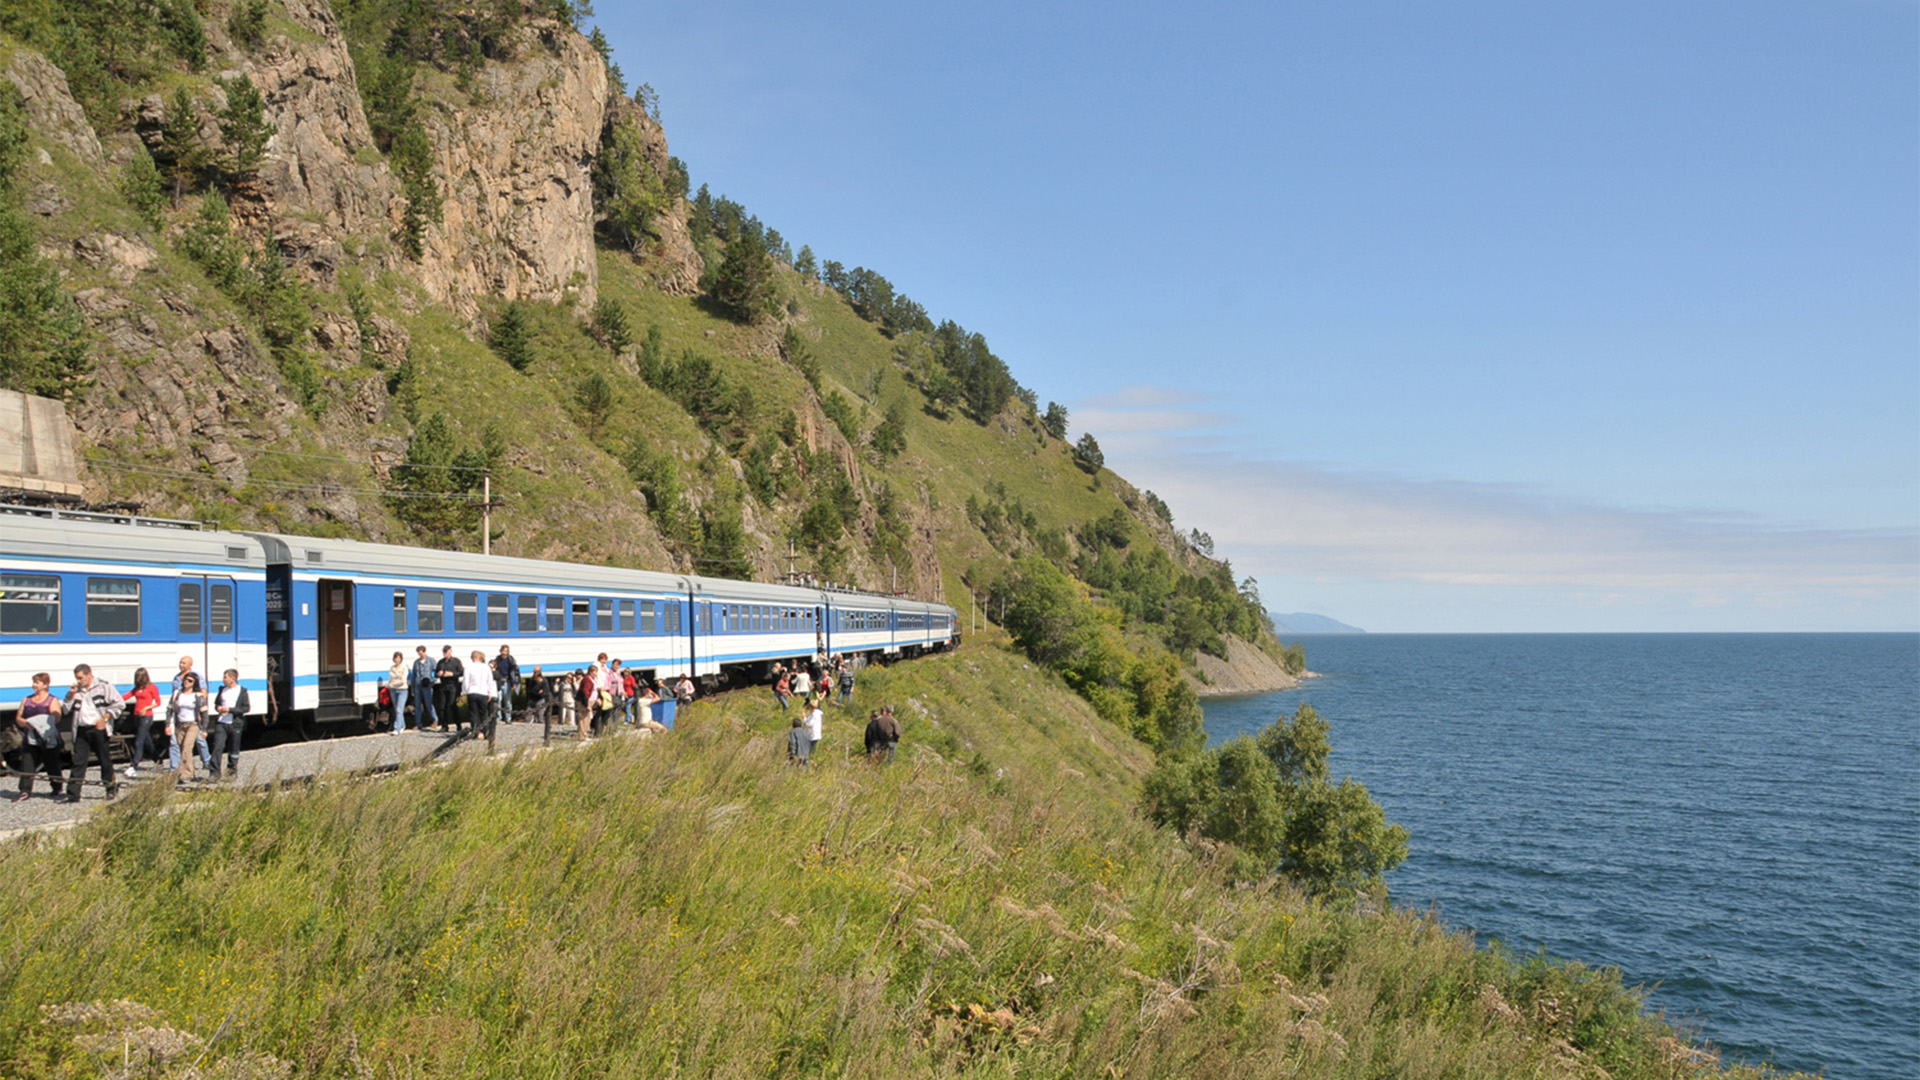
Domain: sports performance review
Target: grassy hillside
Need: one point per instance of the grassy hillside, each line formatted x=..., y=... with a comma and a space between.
x=988, y=905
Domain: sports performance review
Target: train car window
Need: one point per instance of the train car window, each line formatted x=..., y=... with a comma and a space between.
x=582, y=616
x=672, y=612
x=529, y=614
x=556, y=614
x=497, y=613
x=190, y=608
x=466, y=613
x=626, y=616
x=647, y=619
x=399, y=611
x=113, y=605
x=29, y=604
x=430, y=610
x=603, y=616
x=219, y=609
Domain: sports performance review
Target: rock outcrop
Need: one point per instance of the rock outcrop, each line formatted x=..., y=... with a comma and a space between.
x=515, y=169
x=51, y=108
x=1246, y=670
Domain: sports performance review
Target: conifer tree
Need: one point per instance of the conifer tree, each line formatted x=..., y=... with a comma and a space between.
x=180, y=143
x=743, y=285
x=243, y=128
x=511, y=336
x=610, y=325
x=141, y=186
x=1055, y=420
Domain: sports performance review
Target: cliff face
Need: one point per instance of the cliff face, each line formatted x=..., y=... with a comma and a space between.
x=515, y=168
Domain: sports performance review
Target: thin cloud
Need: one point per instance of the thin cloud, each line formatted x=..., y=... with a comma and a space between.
x=1316, y=522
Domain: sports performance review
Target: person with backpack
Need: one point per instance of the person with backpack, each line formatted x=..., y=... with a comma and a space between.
x=420, y=685
x=230, y=708
x=506, y=675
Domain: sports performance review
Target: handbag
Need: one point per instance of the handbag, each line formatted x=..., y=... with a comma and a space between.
x=603, y=700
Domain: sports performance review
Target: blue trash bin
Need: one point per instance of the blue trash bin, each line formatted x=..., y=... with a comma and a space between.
x=663, y=712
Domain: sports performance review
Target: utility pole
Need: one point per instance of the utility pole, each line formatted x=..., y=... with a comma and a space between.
x=486, y=512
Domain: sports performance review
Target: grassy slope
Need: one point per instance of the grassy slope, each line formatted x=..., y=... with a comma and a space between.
x=986, y=906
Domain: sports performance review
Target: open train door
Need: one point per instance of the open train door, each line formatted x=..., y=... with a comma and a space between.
x=335, y=639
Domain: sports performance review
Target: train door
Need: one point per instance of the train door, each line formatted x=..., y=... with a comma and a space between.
x=336, y=628
x=334, y=665
x=820, y=631
x=207, y=626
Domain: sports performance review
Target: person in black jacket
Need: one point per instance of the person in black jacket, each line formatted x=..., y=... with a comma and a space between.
x=446, y=689
x=506, y=675
x=539, y=696
x=230, y=708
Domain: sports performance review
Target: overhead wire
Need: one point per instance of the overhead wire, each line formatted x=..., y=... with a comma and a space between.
x=280, y=485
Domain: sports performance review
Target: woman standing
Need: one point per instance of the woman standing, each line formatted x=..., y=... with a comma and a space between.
x=186, y=711
x=40, y=715
x=399, y=681
x=478, y=684
x=146, y=698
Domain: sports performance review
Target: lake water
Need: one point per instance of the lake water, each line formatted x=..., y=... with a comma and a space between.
x=1733, y=820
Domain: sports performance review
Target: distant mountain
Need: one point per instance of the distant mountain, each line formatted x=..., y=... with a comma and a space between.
x=1303, y=622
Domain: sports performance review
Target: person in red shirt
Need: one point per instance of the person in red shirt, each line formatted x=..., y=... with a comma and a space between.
x=146, y=698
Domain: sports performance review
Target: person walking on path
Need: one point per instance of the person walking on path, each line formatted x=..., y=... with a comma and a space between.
x=816, y=723
x=883, y=734
x=799, y=742
x=506, y=673
x=448, y=675
x=186, y=711
x=479, y=686
x=39, y=714
x=420, y=684
x=146, y=698
x=93, y=705
x=230, y=707
x=399, y=681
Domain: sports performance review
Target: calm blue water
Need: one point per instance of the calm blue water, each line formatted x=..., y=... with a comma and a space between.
x=1733, y=820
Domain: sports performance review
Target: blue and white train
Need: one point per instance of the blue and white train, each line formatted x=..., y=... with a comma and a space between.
x=312, y=624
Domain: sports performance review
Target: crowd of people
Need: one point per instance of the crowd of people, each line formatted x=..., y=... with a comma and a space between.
x=61, y=736
x=478, y=694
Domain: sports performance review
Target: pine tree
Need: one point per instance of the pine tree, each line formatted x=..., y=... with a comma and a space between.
x=180, y=143
x=142, y=187
x=243, y=128
x=1087, y=455
x=743, y=285
x=511, y=336
x=1055, y=420
x=610, y=325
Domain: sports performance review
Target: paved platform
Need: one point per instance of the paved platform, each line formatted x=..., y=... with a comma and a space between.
x=279, y=763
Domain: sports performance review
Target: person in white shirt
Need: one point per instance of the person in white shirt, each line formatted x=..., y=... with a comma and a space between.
x=230, y=708
x=802, y=683
x=815, y=722
x=477, y=683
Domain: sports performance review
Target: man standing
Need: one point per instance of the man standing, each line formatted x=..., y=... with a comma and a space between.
x=539, y=696
x=230, y=710
x=421, y=687
x=448, y=672
x=93, y=705
x=506, y=673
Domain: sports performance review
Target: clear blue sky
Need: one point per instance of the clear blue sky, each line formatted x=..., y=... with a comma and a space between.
x=1525, y=317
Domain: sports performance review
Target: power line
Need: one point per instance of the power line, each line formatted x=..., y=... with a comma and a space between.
x=367, y=461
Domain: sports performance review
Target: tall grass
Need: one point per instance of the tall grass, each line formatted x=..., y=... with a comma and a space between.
x=986, y=905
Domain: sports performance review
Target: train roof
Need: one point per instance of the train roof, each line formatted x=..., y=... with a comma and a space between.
x=125, y=540
x=321, y=555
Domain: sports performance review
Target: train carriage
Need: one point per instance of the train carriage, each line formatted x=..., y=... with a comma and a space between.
x=342, y=608
x=750, y=626
x=83, y=588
